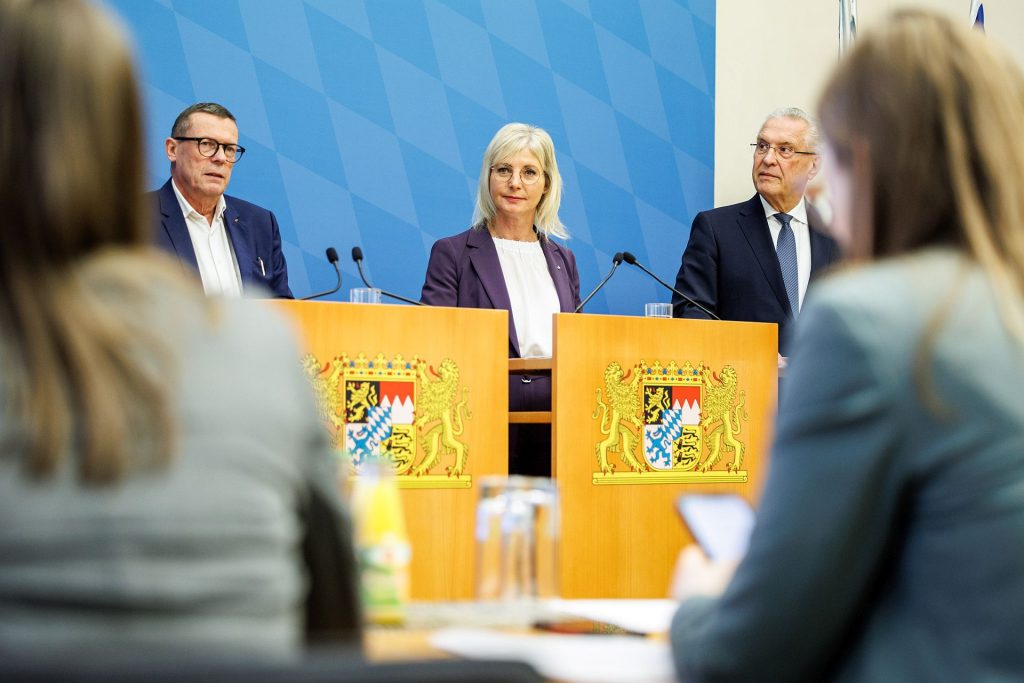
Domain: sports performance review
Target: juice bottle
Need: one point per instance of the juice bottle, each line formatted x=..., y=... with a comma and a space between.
x=382, y=543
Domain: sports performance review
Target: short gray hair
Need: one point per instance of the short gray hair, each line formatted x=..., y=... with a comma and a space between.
x=810, y=137
x=183, y=123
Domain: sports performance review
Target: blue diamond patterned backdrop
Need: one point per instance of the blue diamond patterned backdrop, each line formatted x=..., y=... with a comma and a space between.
x=366, y=120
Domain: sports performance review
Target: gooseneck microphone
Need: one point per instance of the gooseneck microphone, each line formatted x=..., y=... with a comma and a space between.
x=357, y=256
x=616, y=260
x=631, y=260
x=332, y=256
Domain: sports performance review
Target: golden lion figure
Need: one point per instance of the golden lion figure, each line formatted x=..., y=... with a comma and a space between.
x=625, y=404
x=720, y=406
x=658, y=402
x=325, y=384
x=434, y=404
x=362, y=397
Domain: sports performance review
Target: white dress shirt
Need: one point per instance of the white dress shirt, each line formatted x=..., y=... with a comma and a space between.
x=531, y=292
x=802, y=233
x=215, y=257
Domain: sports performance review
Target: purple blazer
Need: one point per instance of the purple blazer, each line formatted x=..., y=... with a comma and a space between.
x=464, y=271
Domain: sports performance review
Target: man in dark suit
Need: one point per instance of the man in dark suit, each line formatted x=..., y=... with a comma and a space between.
x=233, y=245
x=753, y=261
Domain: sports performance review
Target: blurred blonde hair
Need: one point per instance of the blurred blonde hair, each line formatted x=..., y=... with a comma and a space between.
x=81, y=372
x=507, y=142
x=939, y=110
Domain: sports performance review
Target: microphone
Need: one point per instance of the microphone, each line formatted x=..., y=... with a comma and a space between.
x=616, y=260
x=332, y=256
x=357, y=256
x=631, y=260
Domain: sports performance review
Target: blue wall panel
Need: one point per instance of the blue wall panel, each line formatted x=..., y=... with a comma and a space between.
x=366, y=120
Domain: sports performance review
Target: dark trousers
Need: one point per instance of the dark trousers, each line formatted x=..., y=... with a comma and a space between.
x=529, y=445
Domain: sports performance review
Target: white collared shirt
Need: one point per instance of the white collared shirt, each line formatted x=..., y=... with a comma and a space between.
x=531, y=291
x=802, y=233
x=218, y=267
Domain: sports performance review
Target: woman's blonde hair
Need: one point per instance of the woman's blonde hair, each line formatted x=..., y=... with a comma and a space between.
x=939, y=111
x=507, y=142
x=81, y=373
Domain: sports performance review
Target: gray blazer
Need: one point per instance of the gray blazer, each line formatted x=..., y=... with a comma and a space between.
x=202, y=555
x=888, y=541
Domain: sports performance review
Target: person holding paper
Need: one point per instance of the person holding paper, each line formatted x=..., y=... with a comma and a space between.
x=887, y=544
x=508, y=260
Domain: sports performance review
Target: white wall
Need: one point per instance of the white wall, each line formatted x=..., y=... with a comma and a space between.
x=778, y=53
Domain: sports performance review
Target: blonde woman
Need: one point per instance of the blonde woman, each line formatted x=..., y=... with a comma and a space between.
x=157, y=447
x=887, y=546
x=508, y=260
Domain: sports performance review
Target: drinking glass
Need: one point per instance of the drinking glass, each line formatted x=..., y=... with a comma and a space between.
x=364, y=295
x=517, y=539
x=658, y=310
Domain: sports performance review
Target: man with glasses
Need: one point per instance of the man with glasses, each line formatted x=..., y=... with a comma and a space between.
x=753, y=261
x=231, y=243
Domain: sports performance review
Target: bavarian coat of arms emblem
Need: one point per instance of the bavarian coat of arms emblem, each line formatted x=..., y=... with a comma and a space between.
x=404, y=410
x=670, y=423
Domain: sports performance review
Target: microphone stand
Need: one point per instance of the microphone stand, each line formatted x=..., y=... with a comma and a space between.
x=332, y=257
x=631, y=260
x=616, y=260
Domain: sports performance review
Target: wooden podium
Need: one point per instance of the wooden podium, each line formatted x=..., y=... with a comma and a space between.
x=645, y=409
x=430, y=385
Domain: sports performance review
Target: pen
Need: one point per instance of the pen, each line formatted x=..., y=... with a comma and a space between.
x=263, y=271
x=586, y=627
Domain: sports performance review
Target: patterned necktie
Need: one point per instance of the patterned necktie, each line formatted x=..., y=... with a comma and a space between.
x=786, y=251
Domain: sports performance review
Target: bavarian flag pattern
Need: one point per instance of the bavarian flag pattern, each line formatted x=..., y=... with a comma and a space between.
x=671, y=418
x=379, y=418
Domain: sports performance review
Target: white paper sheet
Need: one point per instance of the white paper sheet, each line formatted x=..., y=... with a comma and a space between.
x=580, y=659
x=639, y=616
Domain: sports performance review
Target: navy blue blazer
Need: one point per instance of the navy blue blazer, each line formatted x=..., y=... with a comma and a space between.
x=252, y=230
x=731, y=268
x=464, y=271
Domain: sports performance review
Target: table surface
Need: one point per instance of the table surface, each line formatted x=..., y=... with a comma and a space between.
x=471, y=622
x=411, y=640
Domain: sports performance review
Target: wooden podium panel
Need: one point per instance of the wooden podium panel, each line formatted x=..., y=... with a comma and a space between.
x=624, y=387
x=452, y=363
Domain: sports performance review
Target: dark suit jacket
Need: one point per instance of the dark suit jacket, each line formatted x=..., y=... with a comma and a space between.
x=253, y=233
x=730, y=267
x=464, y=271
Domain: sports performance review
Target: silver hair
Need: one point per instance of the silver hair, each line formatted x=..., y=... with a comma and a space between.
x=810, y=137
x=513, y=138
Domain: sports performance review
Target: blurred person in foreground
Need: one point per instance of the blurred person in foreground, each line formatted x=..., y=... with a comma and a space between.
x=887, y=545
x=157, y=447
x=508, y=260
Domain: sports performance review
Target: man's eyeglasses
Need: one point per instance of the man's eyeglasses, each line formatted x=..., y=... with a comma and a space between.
x=528, y=175
x=761, y=149
x=208, y=148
